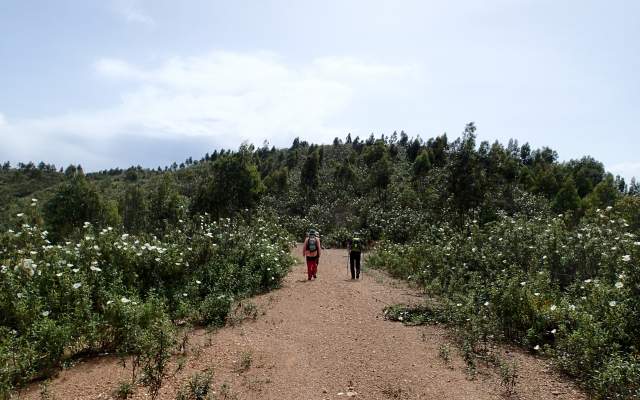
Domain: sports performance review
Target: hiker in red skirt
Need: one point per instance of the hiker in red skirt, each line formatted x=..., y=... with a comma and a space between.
x=311, y=250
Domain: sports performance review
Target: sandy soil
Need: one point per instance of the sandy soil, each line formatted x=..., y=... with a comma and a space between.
x=325, y=339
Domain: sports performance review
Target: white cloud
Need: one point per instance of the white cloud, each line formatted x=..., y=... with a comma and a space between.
x=3, y=120
x=222, y=98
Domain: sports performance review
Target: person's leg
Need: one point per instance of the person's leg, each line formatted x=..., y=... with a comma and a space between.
x=315, y=268
x=358, y=266
x=352, y=261
x=310, y=262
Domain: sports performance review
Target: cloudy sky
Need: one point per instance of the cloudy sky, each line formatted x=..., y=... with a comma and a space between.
x=121, y=82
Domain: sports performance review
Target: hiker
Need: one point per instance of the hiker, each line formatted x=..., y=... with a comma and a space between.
x=354, y=247
x=311, y=250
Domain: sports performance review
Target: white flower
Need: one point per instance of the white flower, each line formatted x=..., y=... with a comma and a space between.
x=109, y=302
x=619, y=285
x=536, y=294
x=75, y=270
x=458, y=305
x=553, y=307
x=96, y=269
x=124, y=300
x=587, y=281
x=613, y=303
x=198, y=282
x=45, y=313
x=34, y=200
x=572, y=307
x=537, y=347
x=19, y=215
x=77, y=285
x=553, y=331
x=184, y=295
x=626, y=258
x=486, y=304
x=59, y=274
x=523, y=283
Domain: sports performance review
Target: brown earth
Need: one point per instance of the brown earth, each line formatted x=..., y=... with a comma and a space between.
x=316, y=340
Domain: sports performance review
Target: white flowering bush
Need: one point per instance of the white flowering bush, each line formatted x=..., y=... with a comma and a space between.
x=572, y=292
x=102, y=289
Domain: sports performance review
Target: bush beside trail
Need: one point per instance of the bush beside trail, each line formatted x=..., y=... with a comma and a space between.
x=572, y=293
x=106, y=291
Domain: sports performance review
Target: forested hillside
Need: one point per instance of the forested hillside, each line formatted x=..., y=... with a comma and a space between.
x=519, y=246
x=387, y=187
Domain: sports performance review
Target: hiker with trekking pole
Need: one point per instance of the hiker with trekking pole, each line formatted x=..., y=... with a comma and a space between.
x=354, y=248
x=311, y=251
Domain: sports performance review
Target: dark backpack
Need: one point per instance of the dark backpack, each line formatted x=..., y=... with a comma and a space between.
x=312, y=244
x=356, y=246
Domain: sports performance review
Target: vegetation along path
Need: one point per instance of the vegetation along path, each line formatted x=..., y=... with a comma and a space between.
x=325, y=339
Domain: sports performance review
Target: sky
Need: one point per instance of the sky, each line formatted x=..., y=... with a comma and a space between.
x=114, y=83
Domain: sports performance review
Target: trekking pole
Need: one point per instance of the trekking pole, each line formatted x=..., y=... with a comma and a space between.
x=348, y=262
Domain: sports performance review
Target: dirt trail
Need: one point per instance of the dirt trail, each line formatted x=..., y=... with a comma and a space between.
x=314, y=339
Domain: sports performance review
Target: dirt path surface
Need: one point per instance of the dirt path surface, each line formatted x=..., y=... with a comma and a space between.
x=315, y=340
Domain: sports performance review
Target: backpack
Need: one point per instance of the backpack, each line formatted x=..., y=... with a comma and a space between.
x=356, y=245
x=312, y=244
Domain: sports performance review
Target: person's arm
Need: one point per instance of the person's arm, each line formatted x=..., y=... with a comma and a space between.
x=319, y=246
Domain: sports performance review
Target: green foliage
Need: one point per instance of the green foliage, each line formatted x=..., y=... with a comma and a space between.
x=111, y=291
x=567, y=198
x=570, y=291
x=422, y=164
x=77, y=201
x=198, y=387
x=309, y=180
x=233, y=184
x=123, y=391
x=135, y=210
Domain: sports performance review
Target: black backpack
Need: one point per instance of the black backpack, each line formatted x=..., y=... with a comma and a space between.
x=312, y=244
x=356, y=245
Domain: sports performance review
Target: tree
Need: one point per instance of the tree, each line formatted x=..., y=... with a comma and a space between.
x=277, y=181
x=166, y=206
x=634, y=188
x=465, y=181
x=587, y=173
x=381, y=176
x=309, y=175
x=567, y=198
x=135, y=209
x=233, y=184
x=421, y=165
x=344, y=173
x=76, y=201
x=404, y=139
x=414, y=149
x=545, y=181
x=604, y=194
